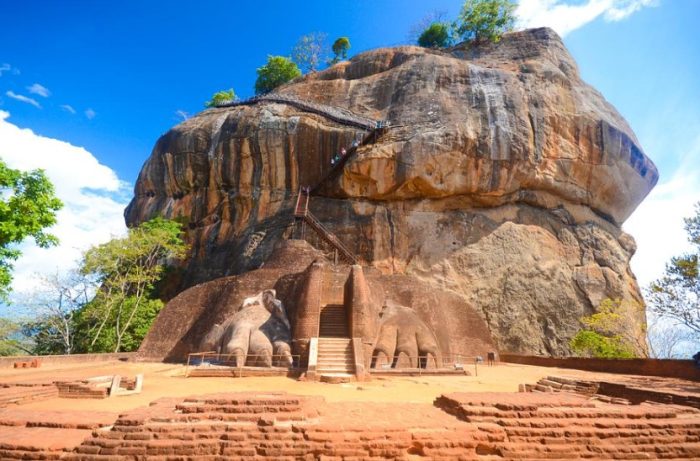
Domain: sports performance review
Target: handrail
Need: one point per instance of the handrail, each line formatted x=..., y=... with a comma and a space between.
x=301, y=211
x=447, y=361
x=337, y=114
x=228, y=360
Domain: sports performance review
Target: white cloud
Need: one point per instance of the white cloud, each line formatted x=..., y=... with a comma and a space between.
x=22, y=98
x=181, y=114
x=39, y=89
x=565, y=17
x=94, y=199
x=90, y=114
x=8, y=68
x=68, y=108
x=657, y=225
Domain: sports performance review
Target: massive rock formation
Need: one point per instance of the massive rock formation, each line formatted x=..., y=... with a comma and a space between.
x=504, y=181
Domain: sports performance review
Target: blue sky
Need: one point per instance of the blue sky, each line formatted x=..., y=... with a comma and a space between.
x=86, y=88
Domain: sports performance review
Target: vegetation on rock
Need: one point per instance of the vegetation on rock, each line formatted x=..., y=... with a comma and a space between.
x=609, y=333
x=676, y=295
x=437, y=35
x=221, y=97
x=340, y=49
x=278, y=71
x=28, y=206
x=485, y=20
x=310, y=52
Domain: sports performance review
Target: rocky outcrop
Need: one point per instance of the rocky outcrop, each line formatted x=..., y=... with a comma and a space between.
x=504, y=179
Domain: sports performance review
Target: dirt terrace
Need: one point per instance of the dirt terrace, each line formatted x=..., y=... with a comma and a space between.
x=404, y=415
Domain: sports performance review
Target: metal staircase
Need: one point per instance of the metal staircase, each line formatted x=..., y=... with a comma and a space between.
x=302, y=213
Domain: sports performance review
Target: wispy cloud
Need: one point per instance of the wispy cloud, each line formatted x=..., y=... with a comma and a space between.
x=68, y=108
x=90, y=114
x=565, y=17
x=8, y=68
x=181, y=114
x=22, y=98
x=94, y=200
x=39, y=89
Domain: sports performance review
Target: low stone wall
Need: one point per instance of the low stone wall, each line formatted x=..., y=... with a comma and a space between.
x=684, y=369
x=8, y=362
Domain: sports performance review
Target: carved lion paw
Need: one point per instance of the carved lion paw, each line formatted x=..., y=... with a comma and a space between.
x=404, y=340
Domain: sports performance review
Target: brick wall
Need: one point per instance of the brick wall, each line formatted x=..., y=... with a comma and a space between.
x=684, y=369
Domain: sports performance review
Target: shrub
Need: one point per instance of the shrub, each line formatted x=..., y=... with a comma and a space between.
x=221, y=97
x=340, y=49
x=437, y=35
x=278, y=71
x=485, y=20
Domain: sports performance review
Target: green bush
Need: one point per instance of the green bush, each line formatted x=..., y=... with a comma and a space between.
x=588, y=343
x=278, y=71
x=221, y=97
x=485, y=20
x=340, y=49
x=437, y=35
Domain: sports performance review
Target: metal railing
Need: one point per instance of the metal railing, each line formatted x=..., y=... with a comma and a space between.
x=215, y=359
x=451, y=362
x=337, y=114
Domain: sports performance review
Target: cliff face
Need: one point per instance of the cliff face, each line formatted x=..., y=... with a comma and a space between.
x=504, y=179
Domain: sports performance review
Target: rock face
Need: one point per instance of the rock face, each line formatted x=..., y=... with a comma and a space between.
x=504, y=180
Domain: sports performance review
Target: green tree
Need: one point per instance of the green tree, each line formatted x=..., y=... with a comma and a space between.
x=28, y=205
x=310, y=51
x=126, y=271
x=221, y=97
x=676, y=295
x=612, y=332
x=485, y=20
x=278, y=71
x=340, y=50
x=437, y=35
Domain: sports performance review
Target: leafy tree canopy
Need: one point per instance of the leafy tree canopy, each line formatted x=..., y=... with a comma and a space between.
x=310, y=52
x=340, y=49
x=485, y=20
x=221, y=97
x=126, y=270
x=278, y=71
x=437, y=35
x=676, y=295
x=28, y=205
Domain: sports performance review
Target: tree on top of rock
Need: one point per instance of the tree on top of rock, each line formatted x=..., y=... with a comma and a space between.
x=278, y=71
x=221, y=97
x=310, y=52
x=340, y=50
x=437, y=35
x=485, y=20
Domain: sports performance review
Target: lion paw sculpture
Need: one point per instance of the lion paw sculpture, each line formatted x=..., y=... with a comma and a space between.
x=404, y=340
x=258, y=333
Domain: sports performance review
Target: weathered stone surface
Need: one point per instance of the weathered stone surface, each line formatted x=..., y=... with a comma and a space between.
x=504, y=181
x=258, y=332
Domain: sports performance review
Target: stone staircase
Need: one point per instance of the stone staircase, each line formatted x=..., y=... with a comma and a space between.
x=333, y=322
x=335, y=357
